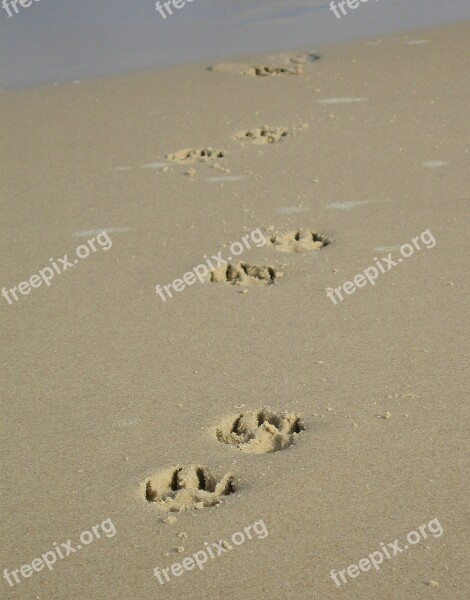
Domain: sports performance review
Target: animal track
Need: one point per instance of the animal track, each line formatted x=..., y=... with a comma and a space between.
x=299, y=241
x=182, y=488
x=192, y=155
x=244, y=274
x=263, y=135
x=269, y=71
x=260, y=431
x=258, y=71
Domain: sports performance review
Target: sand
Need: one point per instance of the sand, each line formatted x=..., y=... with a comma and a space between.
x=316, y=430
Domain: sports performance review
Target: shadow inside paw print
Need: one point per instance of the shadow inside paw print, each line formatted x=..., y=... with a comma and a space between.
x=181, y=488
x=260, y=431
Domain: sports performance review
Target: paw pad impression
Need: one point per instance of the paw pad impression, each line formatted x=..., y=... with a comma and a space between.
x=259, y=70
x=181, y=488
x=260, y=431
x=191, y=155
x=263, y=135
x=245, y=274
x=299, y=241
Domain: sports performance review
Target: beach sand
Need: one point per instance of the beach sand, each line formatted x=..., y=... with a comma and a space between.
x=114, y=397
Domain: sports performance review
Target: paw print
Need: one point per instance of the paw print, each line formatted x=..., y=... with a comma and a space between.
x=261, y=431
x=182, y=488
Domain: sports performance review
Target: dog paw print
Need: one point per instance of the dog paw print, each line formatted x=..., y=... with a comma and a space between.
x=260, y=431
x=299, y=241
x=181, y=488
x=245, y=274
x=273, y=71
x=296, y=68
x=192, y=155
x=263, y=135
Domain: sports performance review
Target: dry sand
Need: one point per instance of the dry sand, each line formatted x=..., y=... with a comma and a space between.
x=115, y=402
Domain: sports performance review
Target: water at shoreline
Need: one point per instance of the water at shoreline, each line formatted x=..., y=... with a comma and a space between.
x=64, y=41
